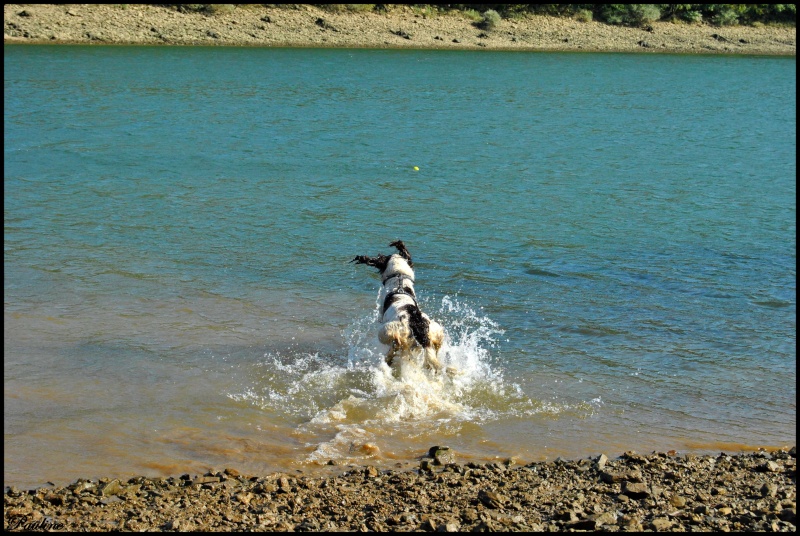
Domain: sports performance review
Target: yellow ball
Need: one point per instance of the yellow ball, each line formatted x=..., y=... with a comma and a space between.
x=416, y=168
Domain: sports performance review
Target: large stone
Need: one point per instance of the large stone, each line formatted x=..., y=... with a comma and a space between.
x=490, y=499
x=442, y=455
x=371, y=472
x=80, y=486
x=769, y=490
x=611, y=477
x=244, y=498
x=55, y=499
x=450, y=526
x=111, y=488
x=172, y=524
x=606, y=518
x=769, y=467
x=636, y=490
x=634, y=457
x=205, y=479
x=581, y=524
x=570, y=515
x=677, y=501
x=661, y=524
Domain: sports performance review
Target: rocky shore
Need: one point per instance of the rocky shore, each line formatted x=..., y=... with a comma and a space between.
x=301, y=25
x=660, y=492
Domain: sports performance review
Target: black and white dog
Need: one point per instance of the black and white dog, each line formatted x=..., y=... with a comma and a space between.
x=404, y=327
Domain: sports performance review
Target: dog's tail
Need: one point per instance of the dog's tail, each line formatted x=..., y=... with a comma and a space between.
x=401, y=249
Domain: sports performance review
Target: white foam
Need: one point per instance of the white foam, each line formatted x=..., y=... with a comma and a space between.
x=410, y=398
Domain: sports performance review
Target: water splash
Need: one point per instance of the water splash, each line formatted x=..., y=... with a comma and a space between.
x=348, y=407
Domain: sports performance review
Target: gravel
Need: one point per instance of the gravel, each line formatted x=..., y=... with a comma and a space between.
x=659, y=491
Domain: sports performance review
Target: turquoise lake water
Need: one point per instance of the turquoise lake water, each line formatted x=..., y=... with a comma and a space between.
x=609, y=241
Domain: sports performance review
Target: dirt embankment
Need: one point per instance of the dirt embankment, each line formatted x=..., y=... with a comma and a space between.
x=402, y=27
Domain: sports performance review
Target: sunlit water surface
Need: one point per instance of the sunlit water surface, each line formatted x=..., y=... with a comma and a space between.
x=608, y=240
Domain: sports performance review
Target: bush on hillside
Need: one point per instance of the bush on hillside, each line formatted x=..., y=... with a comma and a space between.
x=346, y=8
x=692, y=16
x=725, y=16
x=490, y=20
x=630, y=14
x=584, y=15
x=206, y=9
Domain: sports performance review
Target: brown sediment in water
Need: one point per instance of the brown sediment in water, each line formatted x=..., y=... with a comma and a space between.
x=660, y=491
x=402, y=27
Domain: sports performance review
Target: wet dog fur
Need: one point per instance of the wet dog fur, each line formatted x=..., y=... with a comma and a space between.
x=404, y=327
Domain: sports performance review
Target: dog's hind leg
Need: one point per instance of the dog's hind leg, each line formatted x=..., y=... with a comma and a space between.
x=431, y=360
x=436, y=338
x=397, y=336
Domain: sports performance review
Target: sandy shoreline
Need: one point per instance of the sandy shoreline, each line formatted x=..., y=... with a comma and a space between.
x=659, y=492
x=401, y=28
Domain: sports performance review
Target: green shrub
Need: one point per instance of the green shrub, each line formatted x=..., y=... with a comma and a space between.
x=584, y=15
x=189, y=8
x=208, y=9
x=695, y=17
x=345, y=8
x=785, y=13
x=630, y=14
x=473, y=15
x=554, y=10
x=426, y=11
x=490, y=20
x=725, y=16
x=219, y=9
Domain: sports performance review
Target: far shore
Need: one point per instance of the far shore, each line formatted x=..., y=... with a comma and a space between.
x=402, y=27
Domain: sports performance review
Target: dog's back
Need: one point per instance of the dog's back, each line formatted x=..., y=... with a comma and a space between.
x=404, y=325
